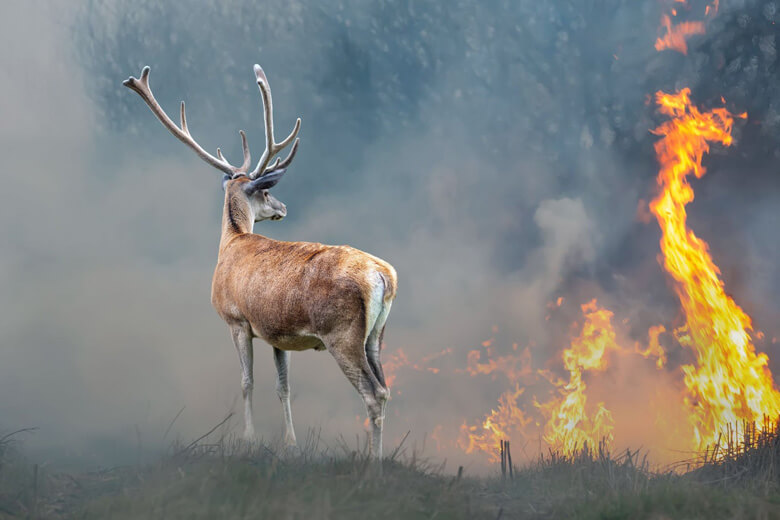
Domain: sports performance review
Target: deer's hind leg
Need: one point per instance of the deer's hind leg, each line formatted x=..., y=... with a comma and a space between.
x=350, y=353
x=373, y=347
x=374, y=343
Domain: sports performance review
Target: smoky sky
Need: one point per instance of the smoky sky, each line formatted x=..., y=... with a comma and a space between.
x=495, y=152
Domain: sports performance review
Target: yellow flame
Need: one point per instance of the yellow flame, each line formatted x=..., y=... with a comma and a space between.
x=570, y=426
x=654, y=348
x=506, y=422
x=730, y=382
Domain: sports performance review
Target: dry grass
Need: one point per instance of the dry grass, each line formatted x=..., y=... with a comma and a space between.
x=218, y=476
x=745, y=456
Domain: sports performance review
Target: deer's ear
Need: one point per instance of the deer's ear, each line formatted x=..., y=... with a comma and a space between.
x=268, y=180
x=225, y=179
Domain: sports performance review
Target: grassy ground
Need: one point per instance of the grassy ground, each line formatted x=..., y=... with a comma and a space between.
x=232, y=481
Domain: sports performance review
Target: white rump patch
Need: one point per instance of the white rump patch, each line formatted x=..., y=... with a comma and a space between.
x=376, y=306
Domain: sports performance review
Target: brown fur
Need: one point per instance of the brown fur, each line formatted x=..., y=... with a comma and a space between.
x=292, y=294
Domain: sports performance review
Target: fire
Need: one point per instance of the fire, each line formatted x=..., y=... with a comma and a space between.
x=654, y=348
x=506, y=422
x=569, y=425
x=729, y=382
x=437, y=437
x=675, y=35
x=393, y=363
x=399, y=359
x=514, y=367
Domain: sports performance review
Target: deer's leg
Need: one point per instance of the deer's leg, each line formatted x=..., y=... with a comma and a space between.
x=282, y=361
x=372, y=356
x=350, y=354
x=242, y=339
x=373, y=347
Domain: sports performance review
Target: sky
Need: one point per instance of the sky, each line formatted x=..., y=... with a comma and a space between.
x=496, y=153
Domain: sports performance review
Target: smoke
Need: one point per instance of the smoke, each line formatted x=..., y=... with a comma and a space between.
x=494, y=155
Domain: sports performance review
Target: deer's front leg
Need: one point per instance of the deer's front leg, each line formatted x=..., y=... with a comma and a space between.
x=282, y=361
x=242, y=339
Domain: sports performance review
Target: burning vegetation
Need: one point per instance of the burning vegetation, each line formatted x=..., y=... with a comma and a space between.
x=571, y=425
x=725, y=389
x=729, y=382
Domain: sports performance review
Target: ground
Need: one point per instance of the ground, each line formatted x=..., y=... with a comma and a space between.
x=229, y=480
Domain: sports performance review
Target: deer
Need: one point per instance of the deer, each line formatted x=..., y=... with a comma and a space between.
x=294, y=296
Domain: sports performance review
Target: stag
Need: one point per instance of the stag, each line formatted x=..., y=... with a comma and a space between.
x=294, y=295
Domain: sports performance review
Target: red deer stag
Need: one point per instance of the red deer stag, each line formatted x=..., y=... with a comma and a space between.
x=293, y=295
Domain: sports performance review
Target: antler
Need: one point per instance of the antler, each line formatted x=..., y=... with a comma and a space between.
x=141, y=86
x=271, y=146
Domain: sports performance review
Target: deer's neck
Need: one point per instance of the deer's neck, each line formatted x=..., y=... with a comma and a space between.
x=237, y=217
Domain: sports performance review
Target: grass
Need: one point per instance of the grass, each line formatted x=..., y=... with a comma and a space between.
x=228, y=479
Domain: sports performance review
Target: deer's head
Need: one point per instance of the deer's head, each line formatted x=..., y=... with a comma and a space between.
x=261, y=203
x=238, y=181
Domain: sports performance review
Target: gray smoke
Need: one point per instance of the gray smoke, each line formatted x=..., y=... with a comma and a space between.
x=494, y=152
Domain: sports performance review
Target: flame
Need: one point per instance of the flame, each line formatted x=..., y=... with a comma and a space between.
x=392, y=364
x=506, y=422
x=654, y=348
x=437, y=437
x=712, y=10
x=729, y=382
x=399, y=359
x=514, y=367
x=569, y=427
x=675, y=35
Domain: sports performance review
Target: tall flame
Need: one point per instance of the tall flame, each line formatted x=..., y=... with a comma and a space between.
x=569, y=424
x=730, y=382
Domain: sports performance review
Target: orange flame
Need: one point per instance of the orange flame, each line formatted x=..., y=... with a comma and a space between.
x=514, y=367
x=654, y=348
x=712, y=10
x=393, y=363
x=730, y=382
x=506, y=422
x=569, y=426
x=399, y=359
x=675, y=35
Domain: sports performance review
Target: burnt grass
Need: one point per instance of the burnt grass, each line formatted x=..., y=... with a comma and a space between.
x=228, y=479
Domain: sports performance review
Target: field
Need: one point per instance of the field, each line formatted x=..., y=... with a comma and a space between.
x=230, y=480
